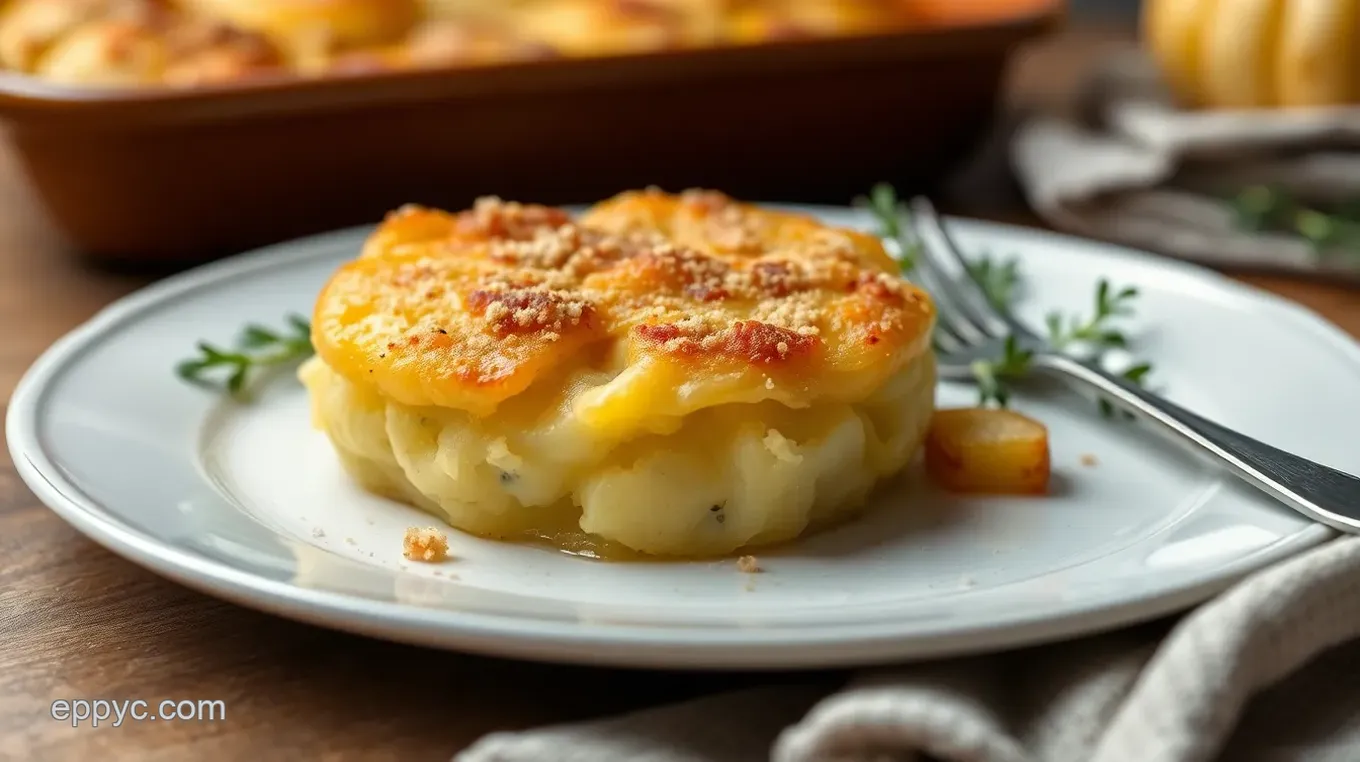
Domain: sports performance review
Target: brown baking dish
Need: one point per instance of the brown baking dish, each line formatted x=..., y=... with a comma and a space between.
x=172, y=177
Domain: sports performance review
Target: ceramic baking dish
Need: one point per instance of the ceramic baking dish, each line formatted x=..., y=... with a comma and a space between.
x=172, y=177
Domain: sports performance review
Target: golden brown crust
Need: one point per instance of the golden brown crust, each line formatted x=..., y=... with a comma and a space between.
x=30, y=28
x=466, y=310
x=129, y=42
x=342, y=24
x=318, y=37
x=591, y=27
x=202, y=51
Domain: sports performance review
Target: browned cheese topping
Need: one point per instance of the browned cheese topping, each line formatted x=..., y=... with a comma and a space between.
x=467, y=309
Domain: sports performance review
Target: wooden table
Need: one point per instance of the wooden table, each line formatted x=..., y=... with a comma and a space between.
x=79, y=622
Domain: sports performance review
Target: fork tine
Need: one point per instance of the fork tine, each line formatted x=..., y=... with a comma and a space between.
x=947, y=322
x=950, y=317
x=945, y=344
x=941, y=257
x=947, y=334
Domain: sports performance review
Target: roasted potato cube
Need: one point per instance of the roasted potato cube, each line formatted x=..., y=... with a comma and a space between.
x=978, y=450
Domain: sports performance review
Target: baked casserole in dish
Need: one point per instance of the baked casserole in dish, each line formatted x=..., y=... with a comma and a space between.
x=167, y=132
x=197, y=42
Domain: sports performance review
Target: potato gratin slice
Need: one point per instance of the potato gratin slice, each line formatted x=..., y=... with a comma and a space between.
x=676, y=375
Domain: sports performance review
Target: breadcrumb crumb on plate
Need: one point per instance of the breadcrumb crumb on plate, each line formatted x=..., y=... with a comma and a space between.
x=426, y=544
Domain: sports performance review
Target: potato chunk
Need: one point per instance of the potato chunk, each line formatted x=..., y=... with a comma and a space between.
x=977, y=450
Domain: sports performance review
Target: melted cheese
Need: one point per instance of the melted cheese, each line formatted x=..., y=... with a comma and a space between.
x=685, y=301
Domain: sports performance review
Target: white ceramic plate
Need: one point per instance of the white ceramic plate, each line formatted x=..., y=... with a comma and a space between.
x=248, y=503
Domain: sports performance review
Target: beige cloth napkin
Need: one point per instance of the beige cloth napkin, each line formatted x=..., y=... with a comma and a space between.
x=1267, y=672
x=1128, y=166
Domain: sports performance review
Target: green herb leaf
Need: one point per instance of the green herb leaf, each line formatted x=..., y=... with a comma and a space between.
x=1137, y=375
x=883, y=201
x=255, y=336
x=991, y=376
x=1333, y=232
x=1114, y=339
x=894, y=220
x=258, y=348
x=998, y=280
x=1096, y=330
x=189, y=369
x=237, y=381
x=301, y=328
x=1054, y=322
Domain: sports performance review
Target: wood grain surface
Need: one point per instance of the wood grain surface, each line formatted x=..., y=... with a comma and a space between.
x=79, y=622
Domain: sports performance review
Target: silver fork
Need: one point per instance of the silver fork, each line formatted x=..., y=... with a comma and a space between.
x=971, y=328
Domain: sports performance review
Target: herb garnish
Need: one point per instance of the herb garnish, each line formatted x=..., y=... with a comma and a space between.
x=894, y=222
x=1332, y=233
x=257, y=348
x=998, y=281
x=992, y=375
x=1097, y=333
x=1096, y=330
x=1136, y=375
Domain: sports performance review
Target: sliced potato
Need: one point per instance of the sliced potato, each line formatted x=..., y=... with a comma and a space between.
x=977, y=450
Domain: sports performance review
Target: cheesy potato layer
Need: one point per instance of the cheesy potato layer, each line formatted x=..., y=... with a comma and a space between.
x=680, y=374
x=729, y=477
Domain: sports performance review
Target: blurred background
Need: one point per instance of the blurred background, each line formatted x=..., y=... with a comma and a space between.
x=166, y=132
x=1106, y=9
x=169, y=129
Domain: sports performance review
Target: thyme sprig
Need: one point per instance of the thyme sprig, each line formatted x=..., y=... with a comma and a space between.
x=894, y=220
x=1137, y=375
x=998, y=280
x=992, y=375
x=257, y=349
x=1332, y=233
x=1097, y=333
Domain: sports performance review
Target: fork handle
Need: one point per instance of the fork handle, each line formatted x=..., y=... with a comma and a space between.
x=1323, y=494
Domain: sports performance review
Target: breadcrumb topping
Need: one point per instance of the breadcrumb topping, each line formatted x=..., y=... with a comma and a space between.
x=529, y=309
x=495, y=218
x=486, y=299
x=749, y=565
x=426, y=544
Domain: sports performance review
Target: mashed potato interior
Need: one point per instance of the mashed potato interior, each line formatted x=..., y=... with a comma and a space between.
x=721, y=478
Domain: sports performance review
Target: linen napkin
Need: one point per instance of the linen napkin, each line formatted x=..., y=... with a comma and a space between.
x=1267, y=672
x=1125, y=164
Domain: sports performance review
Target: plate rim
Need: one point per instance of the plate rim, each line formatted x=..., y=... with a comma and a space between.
x=584, y=642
